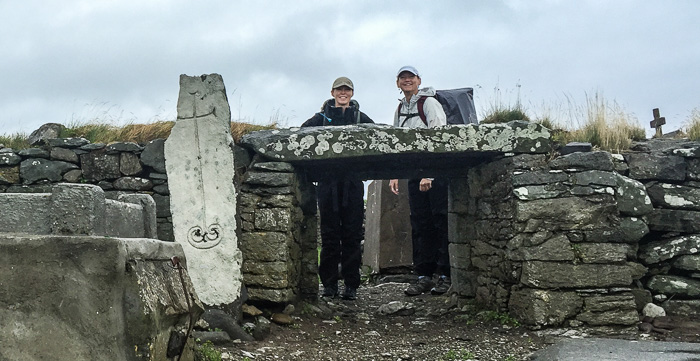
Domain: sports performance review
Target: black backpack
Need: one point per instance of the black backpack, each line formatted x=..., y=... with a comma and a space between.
x=458, y=105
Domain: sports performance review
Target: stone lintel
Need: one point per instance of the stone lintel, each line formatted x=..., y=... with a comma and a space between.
x=377, y=151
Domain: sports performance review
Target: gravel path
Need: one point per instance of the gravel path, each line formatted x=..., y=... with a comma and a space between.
x=425, y=327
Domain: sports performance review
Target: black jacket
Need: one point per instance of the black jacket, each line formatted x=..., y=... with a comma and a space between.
x=331, y=115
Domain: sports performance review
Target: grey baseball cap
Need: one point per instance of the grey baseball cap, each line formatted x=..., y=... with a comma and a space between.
x=409, y=69
x=343, y=81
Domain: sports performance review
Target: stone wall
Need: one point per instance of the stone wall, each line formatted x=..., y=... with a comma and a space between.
x=671, y=173
x=579, y=240
x=117, y=168
x=276, y=210
x=584, y=239
x=548, y=240
x=278, y=233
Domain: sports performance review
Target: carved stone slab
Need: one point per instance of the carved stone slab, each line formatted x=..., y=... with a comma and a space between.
x=199, y=164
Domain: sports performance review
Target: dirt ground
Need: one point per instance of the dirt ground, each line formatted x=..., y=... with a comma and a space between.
x=426, y=328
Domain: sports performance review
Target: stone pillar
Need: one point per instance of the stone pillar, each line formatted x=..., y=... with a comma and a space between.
x=278, y=234
x=200, y=168
x=461, y=223
x=387, y=228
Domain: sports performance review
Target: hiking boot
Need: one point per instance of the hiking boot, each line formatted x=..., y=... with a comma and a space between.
x=442, y=286
x=330, y=291
x=423, y=285
x=350, y=293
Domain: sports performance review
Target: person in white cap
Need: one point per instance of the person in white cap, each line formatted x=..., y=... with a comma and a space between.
x=340, y=202
x=427, y=196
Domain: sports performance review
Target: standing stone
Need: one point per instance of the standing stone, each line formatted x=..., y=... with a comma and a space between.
x=200, y=168
x=388, y=230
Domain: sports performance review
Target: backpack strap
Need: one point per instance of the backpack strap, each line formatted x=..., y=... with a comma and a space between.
x=356, y=105
x=421, y=112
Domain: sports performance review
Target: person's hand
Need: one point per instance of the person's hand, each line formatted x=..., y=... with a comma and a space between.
x=394, y=186
x=426, y=184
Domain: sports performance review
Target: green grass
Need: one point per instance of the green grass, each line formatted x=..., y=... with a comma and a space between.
x=206, y=352
x=500, y=317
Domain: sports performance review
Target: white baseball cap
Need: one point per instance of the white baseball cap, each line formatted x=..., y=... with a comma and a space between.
x=409, y=69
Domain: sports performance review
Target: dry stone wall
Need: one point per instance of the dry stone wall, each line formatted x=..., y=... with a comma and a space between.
x=117, y=168
x=278, y=233
x=546, y=241
x=671, y=173
x=581, y=240
x=586, y=239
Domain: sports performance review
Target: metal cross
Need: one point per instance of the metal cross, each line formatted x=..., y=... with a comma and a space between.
x=657, y=123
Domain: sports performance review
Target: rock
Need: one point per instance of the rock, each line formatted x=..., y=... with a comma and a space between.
x=36, y=169
x=644, y=166
x=652, y=310
x=674, y=285
x=274, y=167
x=397, y=308
x=120, y=147
x=658, y=251
x=73, y=176
x=129, y=164
x=573, y=147
x=688, y=262
x=538, y=274
x=215, y=337
x=631, y=196
x=34, y=153
x=289, y=309
x=683, y=308
x=10, y=159
x=544, y=307
x=67, y=142
x=133, y=184
x=674, y=196
x=584, y=161
x=262, y=328
x=281, y=319
x=46, y=131
x=221, y=320
x=250, y=310
x=98, y=165
x=64, y=154
x=153, y=155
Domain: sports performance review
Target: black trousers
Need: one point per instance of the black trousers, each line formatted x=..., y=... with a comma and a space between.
x=429, y=227
x=341, y=206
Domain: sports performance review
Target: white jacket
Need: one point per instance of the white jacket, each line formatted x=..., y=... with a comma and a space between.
x=434, y=114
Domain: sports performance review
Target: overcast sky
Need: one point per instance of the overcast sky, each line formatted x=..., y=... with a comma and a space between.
x=73, y=61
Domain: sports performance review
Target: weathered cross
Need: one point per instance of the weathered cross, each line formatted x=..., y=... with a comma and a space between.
x=657, y=123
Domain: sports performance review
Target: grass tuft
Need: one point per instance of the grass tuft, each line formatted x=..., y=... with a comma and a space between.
x=103, y=132
x=693, y=124
x=605, y=125
x=15, y=141
x=502, y=112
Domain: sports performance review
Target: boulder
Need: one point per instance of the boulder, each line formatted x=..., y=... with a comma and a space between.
x=46, y=131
